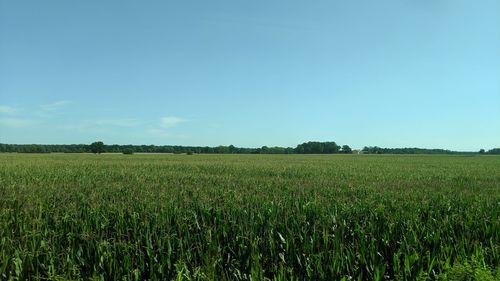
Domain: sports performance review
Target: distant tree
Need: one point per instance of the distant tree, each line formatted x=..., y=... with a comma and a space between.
x=299, y=149
x=373, y=150
x=128, y=151
x=97, y=147
x=308, y=147
x=315, y=147
x=264, y=150
x=346, y=149
x=221, y=149
x=494, y=151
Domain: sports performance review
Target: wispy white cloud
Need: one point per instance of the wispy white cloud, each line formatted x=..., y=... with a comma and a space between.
x=84, y=127
x=4, y=109
x=158, y=132
x=101, y=125
x=55, y=105
x=162, y=131
x=15, y=122
x=164, y=134
x=171, y=121
x=123, y=122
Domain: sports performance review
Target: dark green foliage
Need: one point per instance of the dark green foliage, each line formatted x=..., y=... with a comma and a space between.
x=346, y=149
x=128, y=151
x=247, y=217
x=315, y=147
x=97, y=147
x=305, y=148
x=44, y=148
x=406, y=150
x=494, y=151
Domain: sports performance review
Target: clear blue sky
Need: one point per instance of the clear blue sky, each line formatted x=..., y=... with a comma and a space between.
x=250, y=73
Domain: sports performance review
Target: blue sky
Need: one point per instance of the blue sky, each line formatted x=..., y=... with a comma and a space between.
x=251, y=73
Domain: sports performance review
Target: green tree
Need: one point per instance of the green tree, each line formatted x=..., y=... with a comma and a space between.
x=97, y=147
x=128, y=151
x=494, y=151
x=315, y=147
x=346, y=149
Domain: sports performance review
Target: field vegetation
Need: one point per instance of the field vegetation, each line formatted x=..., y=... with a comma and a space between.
x=249, y=217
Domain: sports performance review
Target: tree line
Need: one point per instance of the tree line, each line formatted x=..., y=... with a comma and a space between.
x=415, y=150
x=311, y=147
x=100, y=147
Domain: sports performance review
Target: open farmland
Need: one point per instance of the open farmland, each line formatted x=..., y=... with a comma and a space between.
x=246, y=217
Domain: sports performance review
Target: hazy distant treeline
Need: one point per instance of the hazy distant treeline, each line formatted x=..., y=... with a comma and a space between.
x=304, y=148
x=380, y=150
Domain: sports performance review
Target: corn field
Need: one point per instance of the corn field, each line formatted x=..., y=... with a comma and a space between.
x=246, y=217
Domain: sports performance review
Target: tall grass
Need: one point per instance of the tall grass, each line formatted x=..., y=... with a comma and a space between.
x=246, y=217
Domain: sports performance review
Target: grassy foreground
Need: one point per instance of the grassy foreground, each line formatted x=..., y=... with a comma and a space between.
x=248, y=217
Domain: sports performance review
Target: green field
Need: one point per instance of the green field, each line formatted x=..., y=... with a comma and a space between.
x=248, y=217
